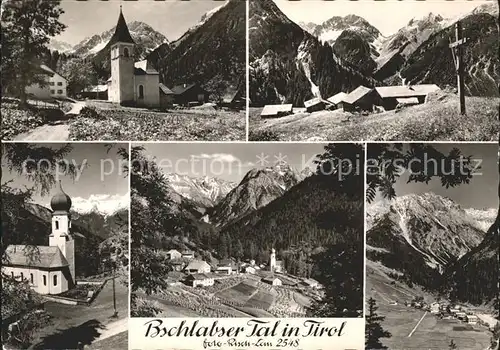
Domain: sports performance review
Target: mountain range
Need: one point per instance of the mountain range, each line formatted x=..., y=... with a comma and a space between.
x=215, y=46
x=425, y=238
x=355, y=52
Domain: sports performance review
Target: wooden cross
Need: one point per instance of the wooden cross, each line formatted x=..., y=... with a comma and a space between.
x=457, y=51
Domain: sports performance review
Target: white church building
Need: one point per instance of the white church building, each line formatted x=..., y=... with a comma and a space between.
x=275, y=265
x=131, y=83
x=48, y=269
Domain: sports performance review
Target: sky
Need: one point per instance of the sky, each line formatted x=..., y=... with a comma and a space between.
x=171, y=18
x=480, y=193
x=387, y=16
x=229, y=161
x=100, y=182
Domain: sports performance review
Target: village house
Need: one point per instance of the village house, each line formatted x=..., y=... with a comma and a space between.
x=173, y=254
x=198, y=266
x=48, y=269
x=434, y=308
x=167, y=97
x=314, y=105
x=233, y=98
x=336, y=100
x=274, y=281
x=362, y=98
x=226, y=267
x=131, y=83
x=95, y=92
x=58, y=85
x=189, y=94
x=275, y=111
x=199, y=280
x=188, y=254
x=311, y=283
x=392, y=96
x=472, y=319
x=249, y=269
x=461, y=315
x=41, y=91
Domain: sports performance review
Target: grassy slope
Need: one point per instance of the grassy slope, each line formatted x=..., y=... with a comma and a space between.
x=123, y=123
x=434, y=121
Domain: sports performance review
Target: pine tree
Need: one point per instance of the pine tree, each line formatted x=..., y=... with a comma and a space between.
x=373, y=328
x=26, y=30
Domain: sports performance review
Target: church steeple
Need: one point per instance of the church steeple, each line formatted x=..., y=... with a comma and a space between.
x=122, y=34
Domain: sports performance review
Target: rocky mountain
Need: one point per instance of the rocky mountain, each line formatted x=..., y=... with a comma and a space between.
x=484, y=217
x=475, y=276
x=395, y=49
x=211, y=53
x=331, y=29
x=61, y=46
x=258, y=188
x=421, y=235
x=354, y=48
x=204, y=191
x=145, y=37
x=308, y=26
x=433, y=61
x=289, y=65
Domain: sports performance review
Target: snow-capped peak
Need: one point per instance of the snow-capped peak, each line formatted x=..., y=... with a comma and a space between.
x=103, y=204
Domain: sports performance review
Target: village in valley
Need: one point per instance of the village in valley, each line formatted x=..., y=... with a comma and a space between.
x=377, y=86
x=125, y=84
x=250, y=241
x=65, y=263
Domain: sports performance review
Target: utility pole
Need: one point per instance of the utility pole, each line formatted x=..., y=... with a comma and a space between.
x=457, y=51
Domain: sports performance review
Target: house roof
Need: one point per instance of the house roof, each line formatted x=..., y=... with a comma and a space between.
x=197, y=264
x=45, y=257
x=275, y=109
x=313, y=102
x=122, y=33
x=270, y=279
x=182, y=88
x=230, y=94
x=406, y=91
x=46, y=70
x=173, y=251
x=96, y=88
x=198, y=276
x=310, y=281
x=337, y=98
x=166, y=90
x=144, y=67
x=358, y=93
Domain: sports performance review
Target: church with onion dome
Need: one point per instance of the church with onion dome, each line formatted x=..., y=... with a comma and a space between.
x=48, y=269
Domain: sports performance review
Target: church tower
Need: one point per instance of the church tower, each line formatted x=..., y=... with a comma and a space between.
x=61, y=227
x=272, y=260
x=122, y=64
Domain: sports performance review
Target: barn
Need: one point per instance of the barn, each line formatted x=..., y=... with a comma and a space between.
x=189, y=94
x=167, y=97
x=198, y=266
x=314, y=105
x=361, y=99
x=337, y=100
x=233, y=98
x=199, y=280
x=275, y=111
x=392, y=96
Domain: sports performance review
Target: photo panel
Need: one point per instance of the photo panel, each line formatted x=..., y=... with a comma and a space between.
x=432, y=246
x=247, y=245
x=341, y=71
x=124, y=70
x=65, y=245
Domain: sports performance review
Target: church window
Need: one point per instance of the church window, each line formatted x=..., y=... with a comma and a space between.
x=141, y=91
x=55, y=280
x=44, y=280
x=22, y=276
x=59, y=83
x=31, y=278
x=12, y=274
x=59, y=92
x=52, y=91
x=57, y=225
x=125, y=52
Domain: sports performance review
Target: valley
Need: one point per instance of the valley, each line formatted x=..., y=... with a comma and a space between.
x=413, y=245
x=257, y=248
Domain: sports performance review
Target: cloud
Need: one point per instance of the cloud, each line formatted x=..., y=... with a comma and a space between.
x=220, y=157
x=103, y=203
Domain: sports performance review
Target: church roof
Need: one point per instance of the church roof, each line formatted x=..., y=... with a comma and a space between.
x=122, y=33
x=144, y=67
x=41, y=256
x=61, y=202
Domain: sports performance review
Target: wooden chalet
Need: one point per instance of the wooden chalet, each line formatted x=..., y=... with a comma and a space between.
x=361, y=99
x=336, y=100
x=392, y=96
x=276, y=111
x=189, y=94
x=314, y=105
